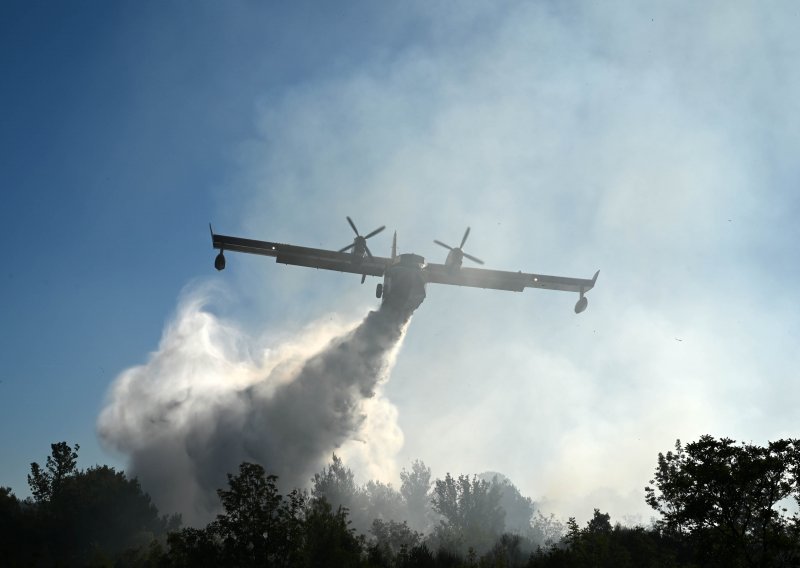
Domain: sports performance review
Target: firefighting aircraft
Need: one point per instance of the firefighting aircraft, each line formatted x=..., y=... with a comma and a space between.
x=405, y=275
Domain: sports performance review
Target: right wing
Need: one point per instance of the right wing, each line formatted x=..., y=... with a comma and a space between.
x=304, y=256
x=504, y=280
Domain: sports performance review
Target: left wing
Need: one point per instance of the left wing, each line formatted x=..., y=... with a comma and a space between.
x=304, y=256
x=505, y=280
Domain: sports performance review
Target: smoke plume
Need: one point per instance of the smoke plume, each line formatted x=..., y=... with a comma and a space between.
x=209, y=399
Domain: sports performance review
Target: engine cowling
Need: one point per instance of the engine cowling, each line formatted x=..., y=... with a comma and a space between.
x=219, y=262
x=581, y=304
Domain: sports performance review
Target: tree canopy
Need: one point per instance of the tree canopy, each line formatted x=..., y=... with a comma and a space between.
x=731, y=499
x=720, y=503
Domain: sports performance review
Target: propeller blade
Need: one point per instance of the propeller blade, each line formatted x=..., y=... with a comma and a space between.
x=473, y=259
x=347, y=247
x=466, y=234
x=375, y=232
x=441, y=244
x=349, y=220
x=363, y=277
x=366, y=248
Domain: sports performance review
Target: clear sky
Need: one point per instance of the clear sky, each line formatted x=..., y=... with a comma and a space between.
x=656, y=142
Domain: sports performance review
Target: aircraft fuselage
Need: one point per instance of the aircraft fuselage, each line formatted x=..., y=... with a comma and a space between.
x=404, y=283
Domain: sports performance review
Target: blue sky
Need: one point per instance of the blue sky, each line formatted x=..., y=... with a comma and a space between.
x=655, y=143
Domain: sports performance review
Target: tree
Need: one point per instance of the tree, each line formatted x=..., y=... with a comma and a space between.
x=393, y=540
x=546, y=531
x=518, y=508
x=105, y=510
x=18, y=539
x=250, y=528
x=193, y=548
x=419, y=557
x=381, y=501
x=89, y=516
x=472, y=514
x=61, y=465
x=727, y=497
x=329, y=541
x=336, y=483
x=507, y=552
x=601, y=545
x=415, y=489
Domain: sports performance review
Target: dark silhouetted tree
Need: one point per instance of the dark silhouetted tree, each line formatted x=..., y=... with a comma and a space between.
x=19, y=540
x=193, y=548
x=393, y=541
x=507, y=552
x=61, y=464
x=253, y=528
x=419, y=556
x=727, y=497
x=90, y=516
x=329, y=540
x=601, y=545
x=110, y=511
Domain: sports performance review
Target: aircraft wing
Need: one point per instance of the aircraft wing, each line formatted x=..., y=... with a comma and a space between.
x=504, y=280
x=304, y=256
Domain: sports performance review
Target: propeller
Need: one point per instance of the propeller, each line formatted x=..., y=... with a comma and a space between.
x=361, y=239
x=460, y=247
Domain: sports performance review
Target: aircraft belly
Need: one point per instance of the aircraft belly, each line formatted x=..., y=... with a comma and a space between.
x=404, y=289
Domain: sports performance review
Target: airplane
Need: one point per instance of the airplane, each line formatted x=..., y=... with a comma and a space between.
x=405, y=276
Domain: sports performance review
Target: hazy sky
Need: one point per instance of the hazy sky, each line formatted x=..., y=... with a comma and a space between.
x=655, y=142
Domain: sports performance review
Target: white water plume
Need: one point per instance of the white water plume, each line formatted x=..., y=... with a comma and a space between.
x=211, y=397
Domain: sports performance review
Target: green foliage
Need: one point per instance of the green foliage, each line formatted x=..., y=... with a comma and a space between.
x=727, y=497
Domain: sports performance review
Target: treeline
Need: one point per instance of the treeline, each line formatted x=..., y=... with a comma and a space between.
x=720, y=504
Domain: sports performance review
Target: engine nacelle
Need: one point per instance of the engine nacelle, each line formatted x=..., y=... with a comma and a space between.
x=581, y=304
x=219, y=262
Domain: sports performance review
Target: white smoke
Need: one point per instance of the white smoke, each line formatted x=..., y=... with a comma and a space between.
x=212, y=396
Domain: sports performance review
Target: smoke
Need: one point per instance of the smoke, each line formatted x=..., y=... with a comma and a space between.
x=211, y=397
